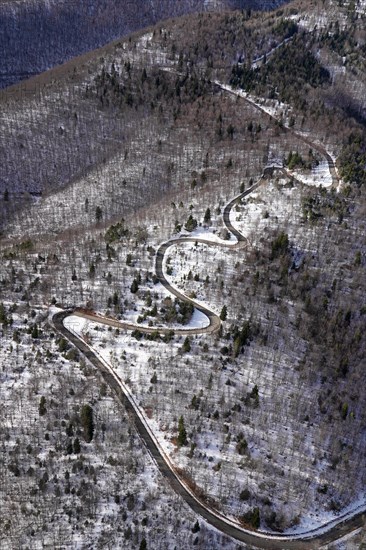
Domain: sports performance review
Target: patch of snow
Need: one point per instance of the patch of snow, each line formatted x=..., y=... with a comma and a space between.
x=318, y=176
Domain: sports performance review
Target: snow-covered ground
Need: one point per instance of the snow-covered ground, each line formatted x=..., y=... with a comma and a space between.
x=271, y=205
x=108, y=493
x=206, y=235
x=135, y=365
x=319, y=176
x=287, y=455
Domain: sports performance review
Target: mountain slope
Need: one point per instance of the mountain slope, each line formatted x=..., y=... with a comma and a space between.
x=36, y=35
x=60, y=115
x=149, y=129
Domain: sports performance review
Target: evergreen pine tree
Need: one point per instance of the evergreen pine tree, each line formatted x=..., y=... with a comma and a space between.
x=196, y=527
x=42, y=406
x=182, y=434
x=207, y=217
x=134, y=286
x=69, y=430
x=223, y=314
x=186, y=345
x=98, y=214
x=92, y=270
x=87, y=422
x=76, y=445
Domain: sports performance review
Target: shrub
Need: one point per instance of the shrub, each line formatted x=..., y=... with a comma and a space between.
x=252, y=518
x=242, y=445
x=245, y=494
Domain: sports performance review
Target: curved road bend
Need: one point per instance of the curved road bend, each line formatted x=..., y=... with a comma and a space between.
x=264, y=541
x=210, y=328
x=214, y=320
x=286, y=129
x=229, y=206
x=309, y=540
x=159, y=260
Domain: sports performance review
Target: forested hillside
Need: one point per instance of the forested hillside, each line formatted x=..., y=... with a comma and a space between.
x=145, y=140
x=36, y=35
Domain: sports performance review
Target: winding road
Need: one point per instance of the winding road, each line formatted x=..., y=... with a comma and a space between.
x=286, y=129
x=334, y=530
